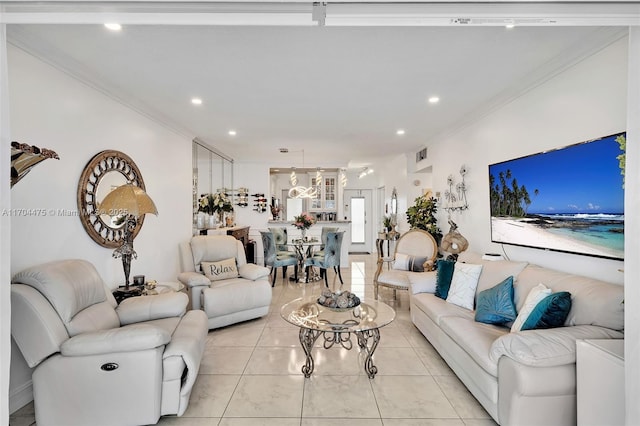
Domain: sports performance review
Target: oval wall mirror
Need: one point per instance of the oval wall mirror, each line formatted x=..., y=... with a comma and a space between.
x=106, y=171
x=394, y=206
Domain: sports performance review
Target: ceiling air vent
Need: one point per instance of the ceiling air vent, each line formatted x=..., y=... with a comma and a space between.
x=421, y=155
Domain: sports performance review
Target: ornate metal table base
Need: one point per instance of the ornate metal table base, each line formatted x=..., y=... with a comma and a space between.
x=367, y=341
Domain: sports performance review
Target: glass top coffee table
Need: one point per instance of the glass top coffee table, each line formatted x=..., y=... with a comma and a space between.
x=336, y=327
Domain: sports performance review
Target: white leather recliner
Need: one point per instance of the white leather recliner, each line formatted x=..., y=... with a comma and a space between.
x=97, y=363
x=234, y=295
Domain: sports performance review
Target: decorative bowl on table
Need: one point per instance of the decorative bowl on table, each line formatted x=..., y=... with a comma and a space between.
x=338, y=301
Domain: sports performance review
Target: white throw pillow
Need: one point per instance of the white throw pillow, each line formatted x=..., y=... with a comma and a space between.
x=463, y=284
x=221, y=270
x=534, y=297
x=401, y=262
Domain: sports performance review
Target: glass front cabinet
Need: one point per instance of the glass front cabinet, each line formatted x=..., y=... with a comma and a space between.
x=326, y=193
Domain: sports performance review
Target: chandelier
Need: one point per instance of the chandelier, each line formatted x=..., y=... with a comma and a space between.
x=299, y=191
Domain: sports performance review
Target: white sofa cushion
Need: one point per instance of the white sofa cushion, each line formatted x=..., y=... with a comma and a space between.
x=475, y=338
x=436, y=308
x=547, y=347
x=463, y=285
x=395, y=277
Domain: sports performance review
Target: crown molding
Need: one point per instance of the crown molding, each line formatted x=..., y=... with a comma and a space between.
x=586, y=48
x=52, y=56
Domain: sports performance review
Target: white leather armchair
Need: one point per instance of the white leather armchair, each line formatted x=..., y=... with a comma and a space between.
x=97, y=363
x=245, y=296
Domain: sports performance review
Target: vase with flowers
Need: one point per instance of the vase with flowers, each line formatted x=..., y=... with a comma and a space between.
x=215, y=204
x=303, y=222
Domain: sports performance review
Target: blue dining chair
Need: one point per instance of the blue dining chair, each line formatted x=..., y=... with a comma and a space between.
x=281, y=240
x=273, y=260
x=329, y=257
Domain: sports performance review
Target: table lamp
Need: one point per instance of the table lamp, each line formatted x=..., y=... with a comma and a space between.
x=129, y=202
x=453, y=242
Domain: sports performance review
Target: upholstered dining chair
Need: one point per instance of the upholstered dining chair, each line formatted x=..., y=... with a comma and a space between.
x=281, y=239
x=414, y=254
x=329, y=257
x=274, y=260
x=323, y=234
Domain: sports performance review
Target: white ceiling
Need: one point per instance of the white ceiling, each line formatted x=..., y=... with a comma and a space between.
x=339, y=93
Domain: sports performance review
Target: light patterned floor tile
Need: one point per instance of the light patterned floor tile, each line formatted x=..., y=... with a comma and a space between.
x=267, y=396
x=276, y=361
x=459, y=396
x=339, y=396
x=340, y=422
x=225, y=359
x=399, y=362
x=411, y=397
x=211, y=394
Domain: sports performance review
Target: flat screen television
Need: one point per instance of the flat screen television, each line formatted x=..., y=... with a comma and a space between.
x=569, y=199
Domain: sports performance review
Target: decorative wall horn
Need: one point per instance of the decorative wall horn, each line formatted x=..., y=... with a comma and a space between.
x=24, y=157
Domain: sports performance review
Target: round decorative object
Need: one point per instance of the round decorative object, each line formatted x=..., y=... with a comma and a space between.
x=339, y=301
x=104, y=172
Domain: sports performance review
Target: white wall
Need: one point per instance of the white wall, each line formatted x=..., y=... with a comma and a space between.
x=50, y=109
x=584, y=102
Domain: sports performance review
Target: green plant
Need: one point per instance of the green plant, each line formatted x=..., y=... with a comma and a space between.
x=386, y=222
x=422, y=215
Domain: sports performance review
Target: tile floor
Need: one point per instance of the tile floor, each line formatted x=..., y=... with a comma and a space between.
x=250, y=373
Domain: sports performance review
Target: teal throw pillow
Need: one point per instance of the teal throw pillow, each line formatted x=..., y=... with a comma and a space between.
x=444, y=274
x=550, y=312
x=495, y=304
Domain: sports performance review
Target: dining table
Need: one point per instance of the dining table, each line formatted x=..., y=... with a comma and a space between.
x=304, y=249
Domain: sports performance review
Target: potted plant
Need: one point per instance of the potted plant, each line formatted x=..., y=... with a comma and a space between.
x=422, y=216
x=386, y=223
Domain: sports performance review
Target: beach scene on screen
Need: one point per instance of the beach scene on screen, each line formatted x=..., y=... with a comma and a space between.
x=570, y=199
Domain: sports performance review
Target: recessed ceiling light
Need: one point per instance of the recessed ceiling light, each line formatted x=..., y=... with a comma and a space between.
x=434, y=100
x=196, y=101
x=232, y=132
x=113, y=26
x=400, y=132
x=509, y=26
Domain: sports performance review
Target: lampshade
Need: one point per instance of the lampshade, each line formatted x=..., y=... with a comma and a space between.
x=454, y=243
x=129, y=199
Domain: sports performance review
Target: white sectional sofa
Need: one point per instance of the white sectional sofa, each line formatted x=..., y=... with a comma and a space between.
x=524, y=377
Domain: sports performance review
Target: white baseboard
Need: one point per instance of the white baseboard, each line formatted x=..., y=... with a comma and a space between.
x=20, y=397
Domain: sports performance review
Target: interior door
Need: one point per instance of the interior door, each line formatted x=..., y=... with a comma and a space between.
x=357, y=209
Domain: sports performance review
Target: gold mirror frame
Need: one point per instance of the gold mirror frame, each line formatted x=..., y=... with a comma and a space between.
x=97, y=168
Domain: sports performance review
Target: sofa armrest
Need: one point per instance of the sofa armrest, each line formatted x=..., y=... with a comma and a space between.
x=252, y=271
x=193, y=279
x=548, y=347
x=147, y=308
x=124, y=339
